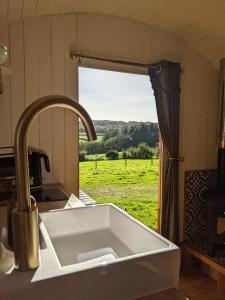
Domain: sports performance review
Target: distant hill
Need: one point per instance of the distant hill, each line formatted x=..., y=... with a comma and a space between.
x=103, y=126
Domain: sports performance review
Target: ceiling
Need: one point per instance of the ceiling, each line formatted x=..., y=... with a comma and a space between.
x=200, y=23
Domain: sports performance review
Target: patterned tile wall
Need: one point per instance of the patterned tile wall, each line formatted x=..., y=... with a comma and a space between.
x=196, y=183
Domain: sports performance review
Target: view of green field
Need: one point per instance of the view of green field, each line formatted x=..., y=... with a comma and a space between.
x=131, y=184
x=121, y=166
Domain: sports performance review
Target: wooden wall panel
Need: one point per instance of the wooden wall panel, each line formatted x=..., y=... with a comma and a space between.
x=120, y=38
x=164, y=45
x=50, y=66
x=17, y=77
x=45, y=88
x=101, y=36
x=198, y=23
x=5, y=98
x=71, y=121
x=3, y=12
x=198, y=118
x=58, y=88
x=40, y=54
x=41, y=65
x=31, y=81
x=55, y=73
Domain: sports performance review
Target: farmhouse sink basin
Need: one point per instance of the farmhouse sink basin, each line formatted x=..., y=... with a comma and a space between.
x=117, y=256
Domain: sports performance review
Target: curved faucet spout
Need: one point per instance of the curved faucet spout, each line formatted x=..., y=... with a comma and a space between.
x=21, y=136
x=26, y=212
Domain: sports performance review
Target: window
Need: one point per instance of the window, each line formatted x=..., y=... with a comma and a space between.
x=122, y=166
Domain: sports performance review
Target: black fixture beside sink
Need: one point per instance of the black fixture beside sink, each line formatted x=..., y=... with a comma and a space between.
x=35, y=166
x=37, y=159
x=42, y=193
x=48, y=194
x=7, y=165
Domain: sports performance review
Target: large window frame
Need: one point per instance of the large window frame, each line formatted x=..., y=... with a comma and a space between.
x=107, y=66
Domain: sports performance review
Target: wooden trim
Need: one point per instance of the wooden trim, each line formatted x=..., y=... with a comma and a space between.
x=204, y=258
x=161, y=155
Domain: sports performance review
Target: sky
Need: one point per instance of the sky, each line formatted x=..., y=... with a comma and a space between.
x=108, y=95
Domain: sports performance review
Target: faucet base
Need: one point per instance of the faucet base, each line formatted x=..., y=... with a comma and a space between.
x=26, y=238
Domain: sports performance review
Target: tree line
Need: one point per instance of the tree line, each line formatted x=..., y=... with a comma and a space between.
x=127, y=137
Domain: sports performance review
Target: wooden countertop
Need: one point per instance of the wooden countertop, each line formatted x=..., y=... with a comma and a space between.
x=172, y=294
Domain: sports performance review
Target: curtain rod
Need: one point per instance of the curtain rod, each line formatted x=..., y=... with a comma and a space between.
x=78, y=56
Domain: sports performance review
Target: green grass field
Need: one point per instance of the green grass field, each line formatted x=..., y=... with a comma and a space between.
x=134, y=187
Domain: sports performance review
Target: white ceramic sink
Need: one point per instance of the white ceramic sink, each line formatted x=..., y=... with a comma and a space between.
x=112, y=251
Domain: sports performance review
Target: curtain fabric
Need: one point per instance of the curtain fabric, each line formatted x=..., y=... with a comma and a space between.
x=165, y=80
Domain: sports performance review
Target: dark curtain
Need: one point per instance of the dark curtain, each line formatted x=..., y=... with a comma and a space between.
x=165, y=80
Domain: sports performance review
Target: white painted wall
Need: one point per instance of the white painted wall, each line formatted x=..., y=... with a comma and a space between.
x=40, y=62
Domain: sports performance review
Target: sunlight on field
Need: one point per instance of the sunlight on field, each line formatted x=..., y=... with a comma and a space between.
x=134, y=187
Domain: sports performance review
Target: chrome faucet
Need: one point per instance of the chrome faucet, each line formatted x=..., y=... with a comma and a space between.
x=25, y=214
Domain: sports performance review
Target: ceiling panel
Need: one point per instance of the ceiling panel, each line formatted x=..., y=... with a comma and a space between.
x=15, y=8
x=44, y=7
x=112, y=7
x=29, y=8
x=200, y=23
x=89, y=6
x=178, y=16
x=148, y=10
x=208, y=20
